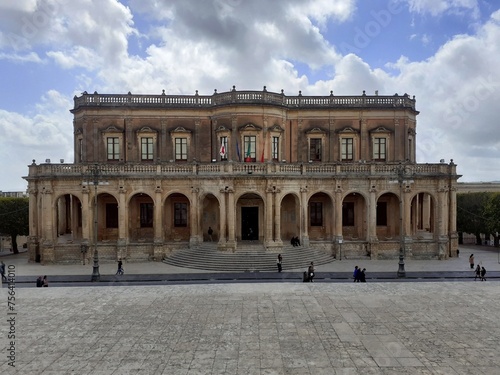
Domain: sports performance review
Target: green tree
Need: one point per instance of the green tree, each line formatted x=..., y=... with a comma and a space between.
x=471, y=214
x=14, y=219
x=492, y=214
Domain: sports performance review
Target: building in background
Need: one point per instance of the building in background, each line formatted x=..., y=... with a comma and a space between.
x=339, y=172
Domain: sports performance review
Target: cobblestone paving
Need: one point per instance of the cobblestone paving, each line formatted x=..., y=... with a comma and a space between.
x=285, y=328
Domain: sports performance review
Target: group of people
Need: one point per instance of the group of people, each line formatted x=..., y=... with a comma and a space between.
x=42, y=281
x=295, y=241
x=479, y=271
x=359, y=275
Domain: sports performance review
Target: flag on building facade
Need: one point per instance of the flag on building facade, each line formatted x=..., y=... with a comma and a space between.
x=248, y=156
x=222, y=151
x=238, y=150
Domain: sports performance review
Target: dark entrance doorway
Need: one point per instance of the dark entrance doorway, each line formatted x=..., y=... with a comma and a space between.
x=249, y=223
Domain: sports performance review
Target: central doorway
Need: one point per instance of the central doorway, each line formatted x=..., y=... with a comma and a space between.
x=249, y=223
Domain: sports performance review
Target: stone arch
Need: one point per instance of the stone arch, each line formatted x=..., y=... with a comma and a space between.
x=423, y=215
x=141, y=217
x=321, y=215
x=289, y=205
x=176, y=217
x=68, y=219
x=250, y=217
x=387, y=217
x=210, y=216
x=354, y=216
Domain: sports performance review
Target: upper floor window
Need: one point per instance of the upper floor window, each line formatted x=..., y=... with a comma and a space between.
x=113, y=148
x=181, y=149
x=223, y=148
x=379, y=149
x=315, y=149
x=347, y=149
x=275, y=151
x=249, y=148
x=147, y=148
x=80, y=150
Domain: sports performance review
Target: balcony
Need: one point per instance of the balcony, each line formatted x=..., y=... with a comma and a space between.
x=235, y=169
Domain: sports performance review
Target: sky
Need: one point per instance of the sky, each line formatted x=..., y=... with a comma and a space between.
x=445, y=52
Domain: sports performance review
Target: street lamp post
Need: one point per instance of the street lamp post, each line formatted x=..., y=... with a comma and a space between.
x=93, y=175
x=401, y=172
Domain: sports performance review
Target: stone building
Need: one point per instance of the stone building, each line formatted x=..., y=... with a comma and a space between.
x=153, y=172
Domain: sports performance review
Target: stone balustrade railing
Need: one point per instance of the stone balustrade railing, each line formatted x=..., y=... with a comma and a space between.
x=230, y=169
x=243, y=97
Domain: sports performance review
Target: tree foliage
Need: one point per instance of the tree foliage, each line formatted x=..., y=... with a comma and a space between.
x=14, y=218
x=492, y=214
x=471, y=213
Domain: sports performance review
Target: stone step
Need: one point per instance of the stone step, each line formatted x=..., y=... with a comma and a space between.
x=246, y=258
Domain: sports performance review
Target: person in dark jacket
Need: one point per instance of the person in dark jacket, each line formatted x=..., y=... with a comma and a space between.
x=310, y=272
x=483, y=274
x=362, y=275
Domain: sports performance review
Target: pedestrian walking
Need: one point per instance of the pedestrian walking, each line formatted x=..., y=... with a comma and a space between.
x=362, y=275
x=471, y=261
x=119, y=271
x=355, y=274
x=39, y=282
x=2, y=271
x=210, y=233
x=483, y=274
x=45, y=281
x=279, y=262
x=310, y=272
x=478, y=272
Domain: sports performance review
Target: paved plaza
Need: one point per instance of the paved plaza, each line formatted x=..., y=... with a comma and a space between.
x=272, y=328
x=285, y=327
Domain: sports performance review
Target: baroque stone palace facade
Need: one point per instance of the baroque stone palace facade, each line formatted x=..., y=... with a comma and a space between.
x=153, y=172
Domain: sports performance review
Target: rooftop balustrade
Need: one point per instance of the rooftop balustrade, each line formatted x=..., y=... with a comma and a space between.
x=242, y=97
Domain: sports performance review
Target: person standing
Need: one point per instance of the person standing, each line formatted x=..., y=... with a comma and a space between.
x=45, y=281
x=471, y=261
x=210, y=233
x=478, y=272
x=355, y=274
x=2, y=271
x=310, y=272
x=279, y=262
x=483, y=274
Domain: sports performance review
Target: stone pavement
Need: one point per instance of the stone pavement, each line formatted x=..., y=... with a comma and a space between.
x=336, y=271
x=273, y=328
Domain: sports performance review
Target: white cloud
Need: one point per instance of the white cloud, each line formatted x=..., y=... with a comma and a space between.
x=439, y=7
x=46, y=134
x=31, y=57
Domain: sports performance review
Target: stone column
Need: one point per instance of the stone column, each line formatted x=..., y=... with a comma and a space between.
x=48, y=214
x=338, y=223
x=268, y=234
x=442, y=217
x=372, y=223
x=277, y=219
x=122, y=222
x=304, y=223
x=193, y=214
x=158, y=253
x=223, y=219
x=231, y=242
x=34, y=228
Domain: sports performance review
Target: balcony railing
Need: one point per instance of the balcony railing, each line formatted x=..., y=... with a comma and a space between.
x=230, y=169
x=242, y=97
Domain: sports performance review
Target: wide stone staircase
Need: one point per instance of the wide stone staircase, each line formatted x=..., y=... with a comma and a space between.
x=248, y=257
